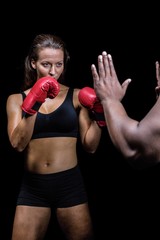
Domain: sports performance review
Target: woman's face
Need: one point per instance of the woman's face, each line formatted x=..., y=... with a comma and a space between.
x=50, y=63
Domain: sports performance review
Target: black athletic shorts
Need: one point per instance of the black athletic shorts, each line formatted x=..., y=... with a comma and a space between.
x=57, y=190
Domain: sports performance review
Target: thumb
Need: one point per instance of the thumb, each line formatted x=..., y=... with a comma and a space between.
x=125, y=84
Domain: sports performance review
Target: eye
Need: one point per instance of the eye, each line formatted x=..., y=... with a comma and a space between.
x=46, y=64
x=59, y=64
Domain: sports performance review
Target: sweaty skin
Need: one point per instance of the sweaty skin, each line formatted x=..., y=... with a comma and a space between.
x=51, y=155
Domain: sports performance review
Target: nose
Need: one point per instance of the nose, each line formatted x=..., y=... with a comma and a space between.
x=52, y=71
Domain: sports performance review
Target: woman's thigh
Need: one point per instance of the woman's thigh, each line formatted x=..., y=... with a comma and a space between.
x=76, y=222
x=30, y=223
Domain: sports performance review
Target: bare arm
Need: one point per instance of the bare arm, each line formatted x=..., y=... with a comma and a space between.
x=19, y=129
x=90, y=132
x=134, y=139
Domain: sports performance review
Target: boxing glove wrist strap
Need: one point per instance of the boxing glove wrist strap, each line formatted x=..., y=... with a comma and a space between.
x=99, y=118
x=34, y=109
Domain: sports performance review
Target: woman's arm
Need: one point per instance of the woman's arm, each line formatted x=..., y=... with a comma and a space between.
x=19, y=129
x=90, y=132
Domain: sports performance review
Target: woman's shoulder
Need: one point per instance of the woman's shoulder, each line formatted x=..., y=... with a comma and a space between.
x=15, y=97
x=75, y=97
x=76, y=91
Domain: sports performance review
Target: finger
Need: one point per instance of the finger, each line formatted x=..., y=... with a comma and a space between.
x=112, y=68
x=106, y=64
x=101, y=68
x=94, y=73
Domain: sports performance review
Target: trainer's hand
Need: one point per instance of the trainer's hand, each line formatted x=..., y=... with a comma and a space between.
x=43, y=88
x=106, y=83
x=89, y=100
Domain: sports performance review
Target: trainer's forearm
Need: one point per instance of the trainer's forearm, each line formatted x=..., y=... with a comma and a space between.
x=121, y=127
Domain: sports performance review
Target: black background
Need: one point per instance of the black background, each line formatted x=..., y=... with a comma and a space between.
x=124, y=202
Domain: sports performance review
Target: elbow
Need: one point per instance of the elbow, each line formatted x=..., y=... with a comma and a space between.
x=142, y=160
x=129, y=154
x=17, y=145
x=90, y=146
x=130, y=148
x=128, y=151
x=90, y=150
x=136, y=159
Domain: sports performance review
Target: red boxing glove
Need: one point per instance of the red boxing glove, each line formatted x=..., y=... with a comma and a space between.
x=43, y=88
x=89, y=100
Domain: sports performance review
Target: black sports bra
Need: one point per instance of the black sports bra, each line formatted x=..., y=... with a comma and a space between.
x=63, y=122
